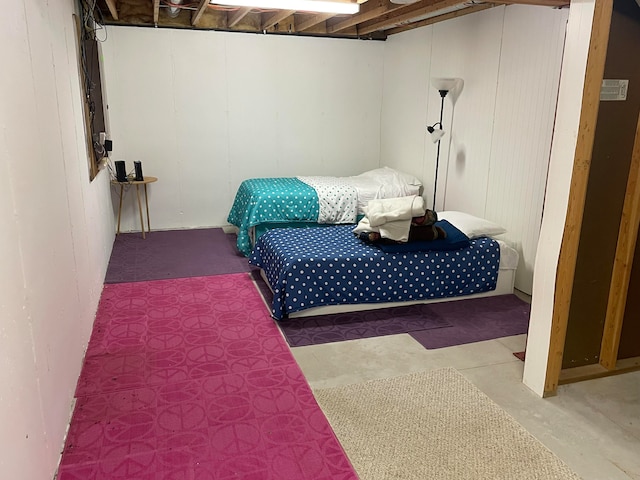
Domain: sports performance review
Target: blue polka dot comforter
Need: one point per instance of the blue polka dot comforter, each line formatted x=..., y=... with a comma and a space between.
x=275, y=200
x=314, y=267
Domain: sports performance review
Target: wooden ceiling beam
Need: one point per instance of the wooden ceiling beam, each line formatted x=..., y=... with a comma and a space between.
x=440, y=18
x=113, y=9
x=369, y=10
x=195, y=17
x=540, y=3
x=312, y=21
x=275, y=17
x=156, y=11
x=235, y=17
x=376, y=19
x=406, y=13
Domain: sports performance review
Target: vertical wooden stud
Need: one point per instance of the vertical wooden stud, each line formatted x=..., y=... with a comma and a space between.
x=625, y=249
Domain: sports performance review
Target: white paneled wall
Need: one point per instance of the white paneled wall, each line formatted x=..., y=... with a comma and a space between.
x=205, y=110
x=404, y=103
x=466, y=150
x=56, y=234
x=494, y=157
x=528, y=80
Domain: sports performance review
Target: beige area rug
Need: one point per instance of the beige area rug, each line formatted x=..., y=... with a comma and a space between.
x=433, y=425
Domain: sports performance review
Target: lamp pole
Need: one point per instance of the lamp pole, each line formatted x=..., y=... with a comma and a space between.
x=443, y=93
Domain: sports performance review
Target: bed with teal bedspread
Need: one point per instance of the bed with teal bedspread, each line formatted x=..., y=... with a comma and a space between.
x=262, y=201
x=261, y=204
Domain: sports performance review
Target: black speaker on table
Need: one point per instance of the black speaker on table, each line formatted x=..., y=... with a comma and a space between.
x=137, y=165
x=121, y=173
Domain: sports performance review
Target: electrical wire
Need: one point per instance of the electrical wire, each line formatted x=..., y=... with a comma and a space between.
x=92, y=20
x=91, y=29
x=223, y=8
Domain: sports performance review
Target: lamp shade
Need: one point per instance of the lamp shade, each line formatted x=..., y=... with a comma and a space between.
x=435, y=134
x=451, y=85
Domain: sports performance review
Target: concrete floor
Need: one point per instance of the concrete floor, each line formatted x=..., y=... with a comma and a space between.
x=593, y=426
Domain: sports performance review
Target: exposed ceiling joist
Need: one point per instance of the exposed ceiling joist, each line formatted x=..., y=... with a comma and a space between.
x=156, y=11
x=376, y=20
x=199, y=11
x=540, y=3
x=312, y=21
x=111, y=5
x=235, y=17
x=369, y=10
x=271, y=19
x=406, y=13
x=440, y=18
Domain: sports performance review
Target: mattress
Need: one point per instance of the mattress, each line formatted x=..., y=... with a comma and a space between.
x=318, y=267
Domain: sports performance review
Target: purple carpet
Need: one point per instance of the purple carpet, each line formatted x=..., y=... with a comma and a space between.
x=476, y=320
x=434, y=325
x=205, y=252
x=174, y=254
x=366, y=324
x=354, y=325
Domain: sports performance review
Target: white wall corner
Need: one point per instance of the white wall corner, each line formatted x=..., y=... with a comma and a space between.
x=557, y=195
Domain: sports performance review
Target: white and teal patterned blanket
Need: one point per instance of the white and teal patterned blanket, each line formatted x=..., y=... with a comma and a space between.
x=337, y=199
x=276, y=200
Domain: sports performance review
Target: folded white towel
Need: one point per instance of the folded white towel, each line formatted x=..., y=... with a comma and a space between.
x=384, y=210
x=391, y=217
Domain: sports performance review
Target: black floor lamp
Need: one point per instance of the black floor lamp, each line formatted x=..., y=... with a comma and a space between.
x=436, y=132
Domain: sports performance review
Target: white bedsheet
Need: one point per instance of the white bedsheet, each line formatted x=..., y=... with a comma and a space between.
x=337, y=199
x=509, y=256
x=342, y=199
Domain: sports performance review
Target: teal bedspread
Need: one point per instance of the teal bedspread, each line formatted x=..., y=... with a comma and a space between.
x=271, y=200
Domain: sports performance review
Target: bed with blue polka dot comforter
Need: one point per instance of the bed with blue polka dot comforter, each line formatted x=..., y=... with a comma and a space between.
x=315, y=267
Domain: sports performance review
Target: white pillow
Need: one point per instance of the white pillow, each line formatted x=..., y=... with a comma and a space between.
x=472, y=227
x=385, y=174
x=410, y=179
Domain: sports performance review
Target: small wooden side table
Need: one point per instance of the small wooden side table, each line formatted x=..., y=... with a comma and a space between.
x=137, y=183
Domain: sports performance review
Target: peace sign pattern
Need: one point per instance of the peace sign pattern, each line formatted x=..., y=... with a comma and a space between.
x=191, y=379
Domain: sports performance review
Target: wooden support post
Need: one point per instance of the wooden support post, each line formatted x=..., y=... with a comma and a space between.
x=627, y=237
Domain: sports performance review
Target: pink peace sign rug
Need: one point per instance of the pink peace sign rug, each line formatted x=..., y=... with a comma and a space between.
x=191, y=379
